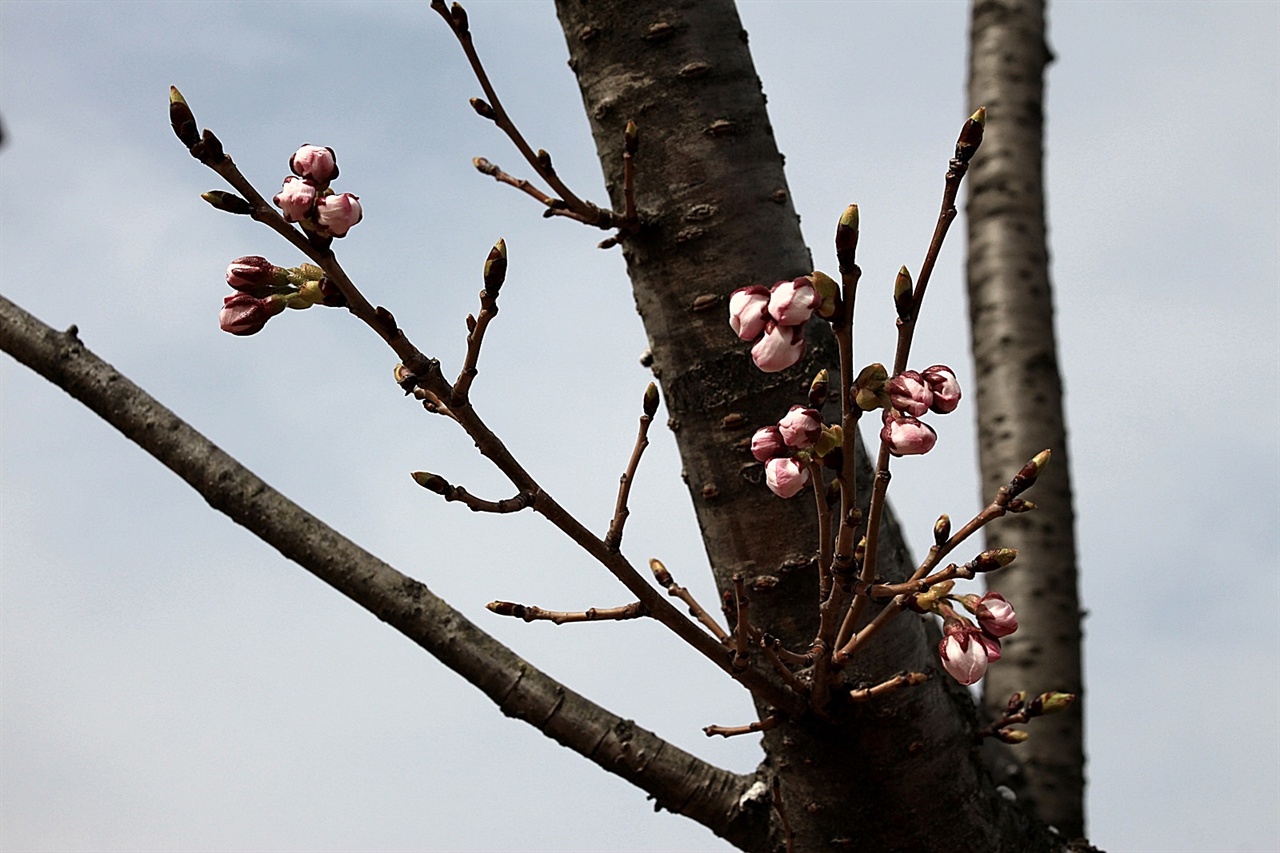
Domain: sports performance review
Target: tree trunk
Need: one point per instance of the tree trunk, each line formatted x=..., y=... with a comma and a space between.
x=1019, y=395
x=901, y=774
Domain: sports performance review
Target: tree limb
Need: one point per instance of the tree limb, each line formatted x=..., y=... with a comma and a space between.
x=677, y=781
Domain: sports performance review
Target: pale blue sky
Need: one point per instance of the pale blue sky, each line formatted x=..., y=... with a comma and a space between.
x=168, y=682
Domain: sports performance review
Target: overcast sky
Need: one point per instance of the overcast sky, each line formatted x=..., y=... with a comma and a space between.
x=168, y=682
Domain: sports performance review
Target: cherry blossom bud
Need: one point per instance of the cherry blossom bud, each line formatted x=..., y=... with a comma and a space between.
x=780, y=348
x=255, y=275
x=314, y=163
x=337, y=213
x=945, y=387
x=909, y=393
x=792, y=303
x=963, y=657
x=828, y=295
x=243, y=314
x=296, y=198
x=748, y=311
x=1050, y=703
x=800, y=427
x=767, y=443
x=869, y=388
x=996, y=616
x=785, y=476
x=847, y=238
x=907, y=436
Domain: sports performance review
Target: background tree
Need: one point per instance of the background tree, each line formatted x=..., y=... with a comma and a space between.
x=1019, y=398
x=191, y=386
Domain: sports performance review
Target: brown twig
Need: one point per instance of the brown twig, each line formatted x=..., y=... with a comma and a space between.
x=695, y=609
x=529, y=613
x=902, y=679
x=441, y=486
x=424, y=373
x=613, y=538
x=495, y=270
x=764, y=725
x=576, y=208
x=773, y=651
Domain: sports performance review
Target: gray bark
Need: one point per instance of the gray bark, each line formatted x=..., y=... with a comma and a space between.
x=1019, y=394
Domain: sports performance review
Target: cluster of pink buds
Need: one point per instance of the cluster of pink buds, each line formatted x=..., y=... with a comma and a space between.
x=966, y=649
x=263, y=290
x=774, y=317
x=904, y=399
x=307, y=199
x=786, y=447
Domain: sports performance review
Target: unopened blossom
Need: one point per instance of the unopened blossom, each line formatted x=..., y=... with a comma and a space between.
x=906, y=436
x=792, y=303
x=767, y=443
x=945, y=387
x=781, y=347
x=801, y=427
x=996, y=616
x=296, y=198
x=254, y=274
x=748, y=311
x=337, y=213
x=966, y=652
x=314, y=163
x=785, y=476
x=909, y=393
x=243, y=314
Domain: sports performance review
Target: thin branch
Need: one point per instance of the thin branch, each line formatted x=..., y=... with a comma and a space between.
x=742, y=628
x=529, y=613
x=495, y=272
x=695, y=609
x=583, y=211
x=764, y=725
x=667, y=773
x=902, y=679
x=441, y=486
x=613, y=538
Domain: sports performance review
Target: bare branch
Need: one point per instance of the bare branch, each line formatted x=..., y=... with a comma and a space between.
x=678, y=781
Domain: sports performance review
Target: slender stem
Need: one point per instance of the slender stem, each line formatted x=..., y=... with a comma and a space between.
x=903, y=679
x=588, y=211
x=742, y=629
x=613, y=539
x=764, y=725
x=529, y=613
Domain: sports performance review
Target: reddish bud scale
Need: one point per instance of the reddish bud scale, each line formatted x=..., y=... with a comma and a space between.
x=818, y=389
x=971, y=136
x=431, y=482
x=495, y=268
x=847, y=239
x=651, y=400
x=181, y=119
x=660, y=573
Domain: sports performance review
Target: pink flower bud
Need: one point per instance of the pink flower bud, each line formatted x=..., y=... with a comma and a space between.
x=785, y=476
x=945, y=387
x=781, y=347
x=337, y=213
x=254, y=275
x=801, y=427
x=966, y=653
x=296, y=198
x=907, y=436
x=995, y=615
x=314, y=163
x=748, y=307
x=767, y=443
x=243, y=314
x=792, y=303
x=909, y=393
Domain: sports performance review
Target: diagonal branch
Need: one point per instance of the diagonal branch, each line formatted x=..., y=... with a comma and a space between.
x=677, y=781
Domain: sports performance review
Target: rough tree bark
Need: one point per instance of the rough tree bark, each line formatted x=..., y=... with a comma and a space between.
x=717, y=216
x=1019, y=394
